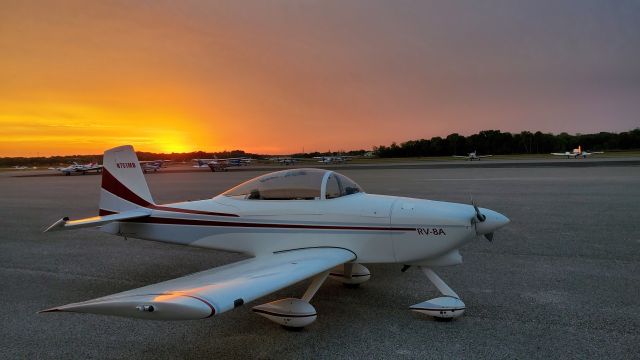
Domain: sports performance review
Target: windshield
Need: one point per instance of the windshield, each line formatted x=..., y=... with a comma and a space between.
x=297, y=184
x=339, y=185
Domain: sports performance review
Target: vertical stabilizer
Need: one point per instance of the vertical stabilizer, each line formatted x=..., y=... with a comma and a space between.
x=123, y=184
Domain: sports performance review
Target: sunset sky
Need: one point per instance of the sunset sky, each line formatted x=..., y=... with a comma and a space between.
x=276, y=76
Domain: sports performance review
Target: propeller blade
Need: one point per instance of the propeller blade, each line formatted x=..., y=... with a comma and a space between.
x=489, y=236
x=479, y=216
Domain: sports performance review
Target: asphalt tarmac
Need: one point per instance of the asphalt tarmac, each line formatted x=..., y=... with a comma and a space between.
x=561, y=281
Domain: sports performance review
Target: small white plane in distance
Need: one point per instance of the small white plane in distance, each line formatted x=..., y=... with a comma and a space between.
x=285, y=160
x=472, y=156
x=217, y=164
x=577, y=153
x=153, y=165
x=76, y=168
x=289, y=160
x=333, y=159
x=295, y=224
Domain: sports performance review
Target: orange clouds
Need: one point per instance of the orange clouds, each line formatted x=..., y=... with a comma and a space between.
x=274, y=77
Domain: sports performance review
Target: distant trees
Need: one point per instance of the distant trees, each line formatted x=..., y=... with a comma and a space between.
x=142, y=156
x=503, y=143
x=484, y=142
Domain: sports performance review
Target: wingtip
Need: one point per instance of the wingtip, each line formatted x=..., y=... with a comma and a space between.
x=57, y=225
x=49, y=310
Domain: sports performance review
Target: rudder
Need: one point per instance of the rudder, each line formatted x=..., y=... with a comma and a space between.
x=123, y=184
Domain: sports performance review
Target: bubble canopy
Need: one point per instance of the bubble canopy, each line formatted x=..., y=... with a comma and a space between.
x=295, y=184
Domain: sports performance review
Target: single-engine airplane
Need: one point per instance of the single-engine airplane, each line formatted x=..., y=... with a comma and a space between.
x=577, y=153
x=153, y=165
x=333, y=159
x=76, y=168
x=287, y=160
x=217, y=164
x=472, y=156
x=296, y=224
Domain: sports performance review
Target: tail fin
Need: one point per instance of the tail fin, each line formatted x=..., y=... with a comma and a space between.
x=123, y=184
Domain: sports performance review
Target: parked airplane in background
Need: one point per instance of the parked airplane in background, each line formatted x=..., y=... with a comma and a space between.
x=217, y=164
x=333, y=159
x=296, y=224
x=76, y=168
x=286, y=160
x=576, y=153
x=19, y=167
x=153, y=165
x=472, y=156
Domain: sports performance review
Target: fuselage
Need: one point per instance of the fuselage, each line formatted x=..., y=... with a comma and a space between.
x=377, y=228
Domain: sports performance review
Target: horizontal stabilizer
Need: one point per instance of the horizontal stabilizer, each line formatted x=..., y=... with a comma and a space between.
x=66, y=224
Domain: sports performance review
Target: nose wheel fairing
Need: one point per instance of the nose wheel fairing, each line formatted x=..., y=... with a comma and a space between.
x=448, y=306
x=444, y=307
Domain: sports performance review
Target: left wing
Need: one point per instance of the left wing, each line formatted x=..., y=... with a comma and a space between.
x=215, y=291
x=483, y=156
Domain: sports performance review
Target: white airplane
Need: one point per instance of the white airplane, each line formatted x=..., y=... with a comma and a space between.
x=153, y=165
x=217, y=164
x=576, y=153
x=79, y=168
x=296, y=224
x=472, y=156
x=333, y=159
x=286, y=160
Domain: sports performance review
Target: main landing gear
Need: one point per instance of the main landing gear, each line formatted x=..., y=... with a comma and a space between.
x=291, y=312
x=350, y=274
x=448, y=306
x=298, y=313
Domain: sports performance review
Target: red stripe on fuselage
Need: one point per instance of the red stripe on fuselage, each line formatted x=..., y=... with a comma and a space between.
x=189, y=211
x=114, y=186
x=173, y=221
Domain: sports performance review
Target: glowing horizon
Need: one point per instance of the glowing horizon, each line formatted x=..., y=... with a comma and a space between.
x=276, y=77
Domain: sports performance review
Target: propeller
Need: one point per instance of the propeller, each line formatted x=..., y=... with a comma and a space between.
x=480, y=217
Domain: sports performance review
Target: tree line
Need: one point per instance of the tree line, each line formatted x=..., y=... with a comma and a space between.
x=484, y=142
x=505, y=143
x=142, y=156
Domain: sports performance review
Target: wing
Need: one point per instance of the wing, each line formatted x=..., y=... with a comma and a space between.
x=215, y=291
x=459, y=156
x=483, y=156
x=562, y=154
